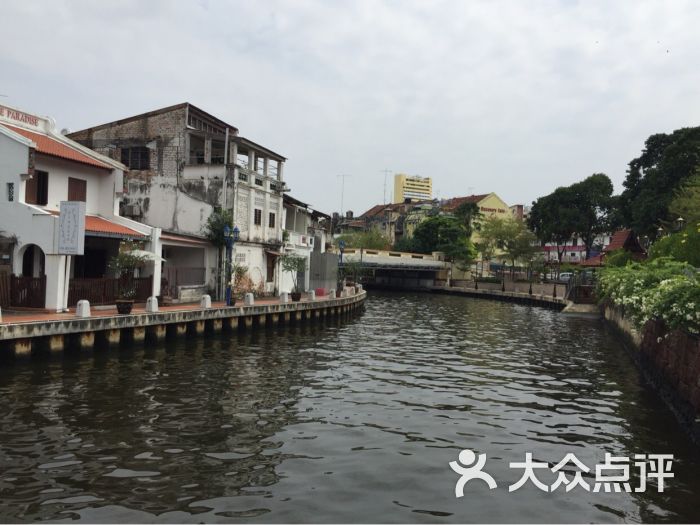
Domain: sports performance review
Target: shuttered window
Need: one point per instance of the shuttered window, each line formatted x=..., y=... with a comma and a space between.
x=77, y=189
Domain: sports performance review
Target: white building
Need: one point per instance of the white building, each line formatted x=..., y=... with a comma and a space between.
x=184, y=163
x=40, y=168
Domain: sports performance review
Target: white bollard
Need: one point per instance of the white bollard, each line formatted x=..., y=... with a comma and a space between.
x=0, y=315
x=205, y=301
x=284, y=297
x=359, y=288
x=312, y=295
x=249, y=299
x=152, y=305
x=331, y=294
x=83, y=309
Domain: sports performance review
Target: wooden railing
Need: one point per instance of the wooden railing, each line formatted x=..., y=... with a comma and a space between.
x=106, y=290
x=28, y=292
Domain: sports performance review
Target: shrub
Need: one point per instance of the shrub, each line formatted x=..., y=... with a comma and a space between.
x=683, y=246
x=662, y=289
x=618, y=258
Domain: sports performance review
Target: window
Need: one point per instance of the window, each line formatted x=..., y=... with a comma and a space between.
x=77, y=189
x=136, y=158
x=258, y=217
x=272, y=220
x=10, y=191
x=37, y=189
x=573, y=254
x=258, y=182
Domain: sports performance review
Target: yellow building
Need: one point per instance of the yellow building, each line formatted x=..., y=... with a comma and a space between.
x=412, y=187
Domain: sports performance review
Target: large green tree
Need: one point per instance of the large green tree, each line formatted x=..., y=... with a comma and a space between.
x=653, y=178
x=686, y=202
x=372, y=239
x=445, y=234
x=468, y=214
x=512, y=237
x=553, y=218
x=594, y=206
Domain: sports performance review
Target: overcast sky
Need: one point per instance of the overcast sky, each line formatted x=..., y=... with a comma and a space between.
x=512, y=97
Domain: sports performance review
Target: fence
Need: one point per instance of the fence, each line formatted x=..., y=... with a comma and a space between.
x=106, y=290
x=174, y=276
x=22, y=292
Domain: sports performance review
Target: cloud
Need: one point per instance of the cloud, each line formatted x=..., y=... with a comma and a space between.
x=512, y=97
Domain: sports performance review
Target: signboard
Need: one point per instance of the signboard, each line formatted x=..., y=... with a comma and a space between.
x=71, y=228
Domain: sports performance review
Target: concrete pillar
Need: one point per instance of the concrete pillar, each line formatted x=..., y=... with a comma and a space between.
x=274, y=318
x=152, y=305
x=22, y=348
x=86, y=340
x=266, y=166
x=217, y=325
x=252, y=162
x=157, y=249
x=177, y=329
x=262, y=320
x=56, y=343
x=231, y=323
x=83, y=308
x=297, y=315
x=248, y=321
x=205, y=302
x=286, y=317
x=55, y=269
x=109, y=337
x=156, y=332
x=317, y=313
x=138, y=334
x=195, y=328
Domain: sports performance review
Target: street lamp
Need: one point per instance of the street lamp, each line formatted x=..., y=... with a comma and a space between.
x=660, y=232
x=230, y=236
x=679, y=223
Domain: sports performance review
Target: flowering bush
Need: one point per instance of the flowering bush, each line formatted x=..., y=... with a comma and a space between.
x=660, y=289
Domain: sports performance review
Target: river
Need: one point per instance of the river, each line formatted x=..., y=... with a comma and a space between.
x=352, y=420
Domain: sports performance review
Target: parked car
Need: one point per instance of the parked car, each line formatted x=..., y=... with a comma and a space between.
x=565, y=276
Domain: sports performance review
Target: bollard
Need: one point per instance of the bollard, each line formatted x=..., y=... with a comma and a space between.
x=249, y=299
x=359, y=288
x=205, y=301
x=0, y=315
x=152, y=305
x=284, y=297
x=312, y=295
x=83, y=309
x=331, y=294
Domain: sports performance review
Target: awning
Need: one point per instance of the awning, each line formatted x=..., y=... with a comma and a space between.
x=167, y=238
x=273, y=253
x=101, y=227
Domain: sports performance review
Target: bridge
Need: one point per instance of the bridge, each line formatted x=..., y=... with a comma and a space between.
x=390, y=269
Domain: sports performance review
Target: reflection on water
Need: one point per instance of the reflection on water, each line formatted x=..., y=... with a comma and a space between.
x=350, y=421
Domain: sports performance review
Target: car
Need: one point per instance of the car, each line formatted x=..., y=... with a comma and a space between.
x=565, y=276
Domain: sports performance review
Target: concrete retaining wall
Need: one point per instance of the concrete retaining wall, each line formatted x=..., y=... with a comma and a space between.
x=557, y=303
x=669, y=362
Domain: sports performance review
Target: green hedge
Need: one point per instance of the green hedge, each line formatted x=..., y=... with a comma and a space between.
x=662, y=289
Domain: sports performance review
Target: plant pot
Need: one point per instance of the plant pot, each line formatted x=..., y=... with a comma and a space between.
x=124, y=306
x=296, y=296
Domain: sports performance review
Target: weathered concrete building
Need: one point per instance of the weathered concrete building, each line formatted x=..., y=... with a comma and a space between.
x=183, y=163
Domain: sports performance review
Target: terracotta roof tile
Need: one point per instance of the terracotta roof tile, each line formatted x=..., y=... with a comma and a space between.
x=454, y=203
x=96, y=224
x=50, y=146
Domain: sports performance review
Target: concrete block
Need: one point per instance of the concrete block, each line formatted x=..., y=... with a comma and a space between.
x=248, y=321
x=205, y=301
x=196, y=327
x=297, y=315
x=284, y=297
x=156, y=332
x=287, y=316
x=274, y=318
x=331, y=294
x=86, y=341
x=249, y=299
x=231, y=323
x=152, y=305
x=217, y=325
x=262, y=320
x=359, y=288
x=312, y=295
x=83, y=309
x=22, y=348
x=56, y=343
x=139, y=334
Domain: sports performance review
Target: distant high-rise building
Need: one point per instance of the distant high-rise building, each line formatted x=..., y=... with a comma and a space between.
x=412, y=187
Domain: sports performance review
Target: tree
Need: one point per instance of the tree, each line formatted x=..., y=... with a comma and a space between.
x=214, y=228
x=405, y=244
x=445, y=234
x=553, y=218
x=511, y=237
x=653, y=178
x=293, y=264
x=686, y=202
x=468, y=213
x=593, y=203
x=371, y=239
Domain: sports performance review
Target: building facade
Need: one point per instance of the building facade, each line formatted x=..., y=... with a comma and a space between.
x=412, y=188
x=39, y=169
x=184, y=163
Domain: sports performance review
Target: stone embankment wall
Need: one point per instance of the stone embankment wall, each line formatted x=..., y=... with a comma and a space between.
x=669, y=361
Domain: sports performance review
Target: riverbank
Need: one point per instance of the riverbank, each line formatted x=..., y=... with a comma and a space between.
x=547, y=301
x=668, y=360
x=24, y=335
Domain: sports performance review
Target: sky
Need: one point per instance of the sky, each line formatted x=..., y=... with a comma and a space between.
x=516, y=98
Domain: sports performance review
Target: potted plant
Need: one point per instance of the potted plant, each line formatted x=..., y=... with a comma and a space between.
x=294, y=264
x=123, y=265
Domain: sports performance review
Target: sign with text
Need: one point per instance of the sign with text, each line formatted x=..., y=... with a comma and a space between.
x=71, y=228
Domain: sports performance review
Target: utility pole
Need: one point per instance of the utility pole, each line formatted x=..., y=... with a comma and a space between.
x=386, y=172
x=342, y=192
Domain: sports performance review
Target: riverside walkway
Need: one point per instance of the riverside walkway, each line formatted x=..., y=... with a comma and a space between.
x=24, y=334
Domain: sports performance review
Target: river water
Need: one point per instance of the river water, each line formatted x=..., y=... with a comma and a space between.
x=353, y=420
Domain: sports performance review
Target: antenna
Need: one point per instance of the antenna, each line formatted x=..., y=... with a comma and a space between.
x=342, y=192
x=386, y=172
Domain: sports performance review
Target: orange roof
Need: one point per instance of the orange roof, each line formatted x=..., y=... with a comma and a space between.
x=596, y=260
x=94, y=224
x=50, y=146
x=454, y=203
